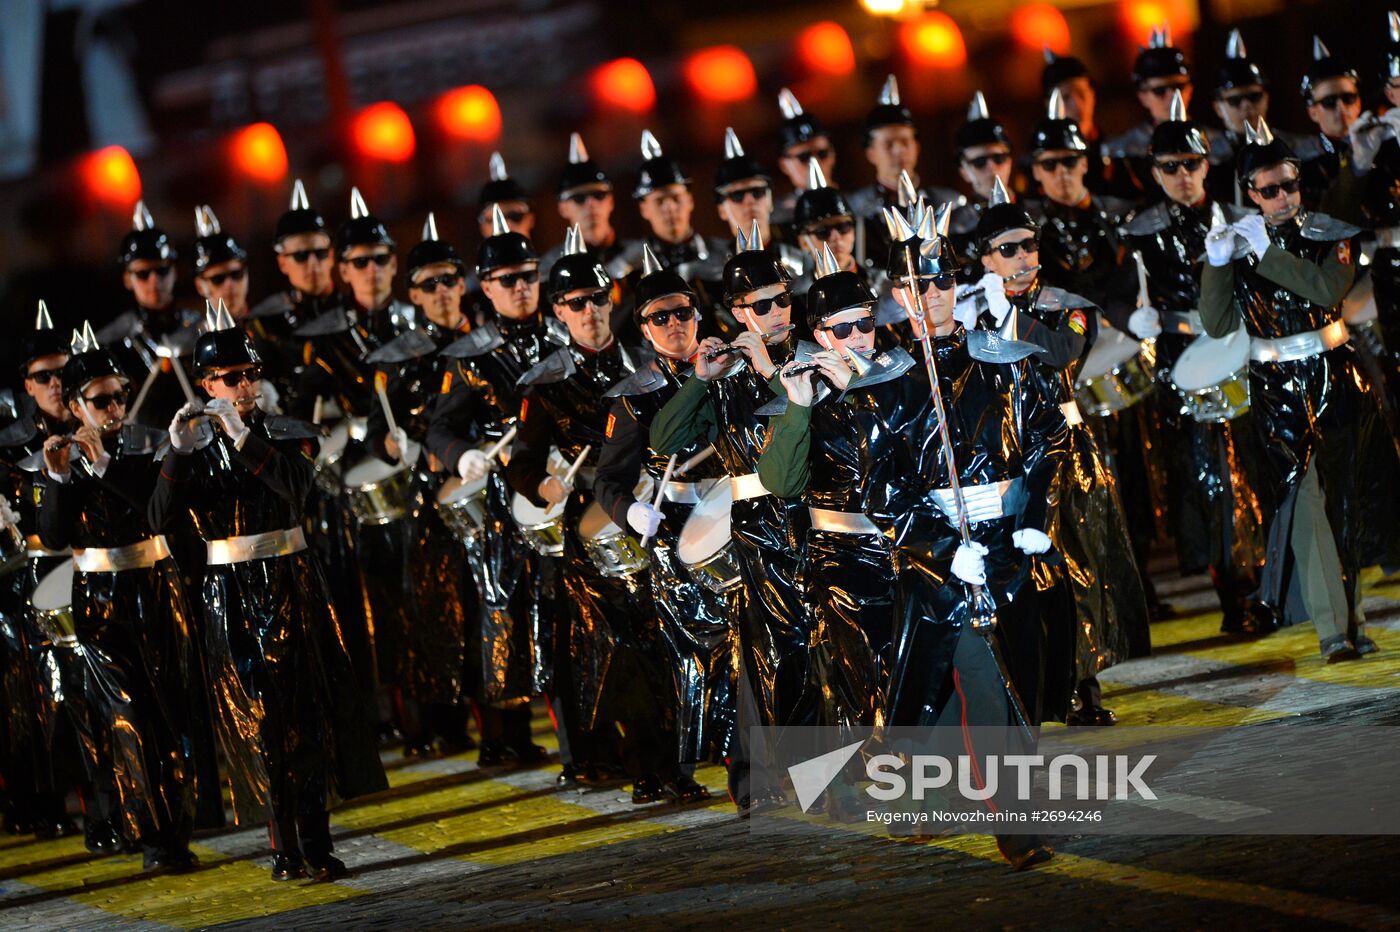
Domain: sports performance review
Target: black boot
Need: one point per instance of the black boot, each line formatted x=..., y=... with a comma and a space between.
x=288, y=867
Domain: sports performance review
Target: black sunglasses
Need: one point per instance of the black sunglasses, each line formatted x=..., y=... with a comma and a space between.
x=1162, y=90
x=512, y=216
x=430, y=285
x=1029, y=246
x=1345, y=98
x=161, y=270
x=661, y=318
x=107, y=399
x=757, y=192
x=1054, y=162
x=511, y=279
x=943, y=281
x=1171, y=166
x=380, y=259
x=996, y=158
x=218, y=278
x=762, y=306
x=238, y=377
x=599, y=298
x=1270, y=191
x=583, y=197
x=819, y=154
x=44, y=376
x=843, y=329
x=843, y=228
x=301, y=256
x=1235, y=100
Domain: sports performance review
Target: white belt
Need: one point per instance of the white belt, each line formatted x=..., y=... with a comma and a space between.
x=746, y=486
x=1187, y=323
x=34, y=549
x=1388, y=238
x=146, y=553
x=251, y=547
x=983, y=502
x=1073, y=417
x=841, y=522
x=1299, y=345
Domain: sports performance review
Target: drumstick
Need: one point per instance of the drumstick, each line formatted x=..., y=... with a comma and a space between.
x=388, y=411
x=180, y=377
x=1143, y=299
x=694, y=461
x=135, y=409
x=495, y=449
x=661, y=493
x=318, y=410
x=577, y=465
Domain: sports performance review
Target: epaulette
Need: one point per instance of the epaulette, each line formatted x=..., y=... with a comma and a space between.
x=644, y=381
x=277, y=305
x=409, y=345
x=1321, y=228
x=1057, y=299
x=282, y=427
x=18, y=433
x=333, y=321
x=556, y=367
x=1154, y=219
x=476, y=342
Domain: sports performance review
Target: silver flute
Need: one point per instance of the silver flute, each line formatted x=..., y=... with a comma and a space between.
x=1006, y=279
x=728, y=349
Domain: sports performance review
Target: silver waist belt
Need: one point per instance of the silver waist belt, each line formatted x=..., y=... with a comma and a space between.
x=746, y=486
x=984, y=502
x=34, y=549
x=841, y=522
x=1072, y=414
x=1388, y=238
x=255, y=547
x=1187, y=323
x=1299, y=345
x=684, y=493
x=137, y=556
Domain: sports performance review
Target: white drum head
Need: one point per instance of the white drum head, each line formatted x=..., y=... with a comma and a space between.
x=55, y=590
x=1209, y=361
x=334, y=444
x=707, y=528
x=526, y=514
x=374, y=469
x=596, y=523
x=1110, y=350
x=456, y=489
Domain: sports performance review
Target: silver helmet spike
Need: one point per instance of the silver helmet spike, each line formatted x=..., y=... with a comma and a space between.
x=1234, y=46
x=205, y=223
x=1258, y=134
x=1394, y=19
x=908, y=194
x=498, y=221
x=943, y=219
x=927, y=227
x=826, y=262
x=577, y=153
x=789, y=104
x=87, y=339
x=1048, y=54
x=223, y=320
x=900, y=231
x=816, y=178
x=650, y=264
x=299, y=201
x=733, y=149
x=1178, y=110
x=358, y=209
x=999, y=193
x=1319, y=50
x=497, y=167
x=430, y=232
x=141, y=218
x=1055, y=108
x=651, y=149
x=977, y=110
x=75, y=343
x=211, y=317
x=741, y=242
x=889, y=94
x=755, y=238
x=573, y=241
x=890, y=226
x=42, y=320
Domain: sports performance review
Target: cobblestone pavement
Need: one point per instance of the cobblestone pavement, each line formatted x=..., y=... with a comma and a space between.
x=452, y=846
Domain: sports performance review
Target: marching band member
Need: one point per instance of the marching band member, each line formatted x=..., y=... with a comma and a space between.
x=293, y=726
x=519, y=589
x=1281, y=274
x=694, y=617
x=983, y=149
x=801, y=138
x=142, y=673
x=1215, y=517
x=620, y=694
x=744, y=198
x=586, y=202
x=1332, y=94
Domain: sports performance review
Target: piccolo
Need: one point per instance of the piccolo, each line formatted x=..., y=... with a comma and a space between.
x=1006, y=279
x=800, y=368
x=727, y=349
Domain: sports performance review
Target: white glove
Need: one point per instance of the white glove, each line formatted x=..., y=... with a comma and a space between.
x=643, y=518
x=968, y=564
x=1029, y=540
x=1255, y=231
x=1364, y=143
x=183, y=437
x=1392, y=117
x=965, y=312
x=8, y=518
x=473, y=465
x=994, y=290
x=228, y=417
x=1145, y=323
x=1220, y=245
x=401, y=441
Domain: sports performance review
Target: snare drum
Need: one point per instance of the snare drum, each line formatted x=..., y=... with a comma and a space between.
x=379, y=492
x=53, y=605
x=329, y=456
x=462, y=507
x=541, y=528
x=1212, y=377
x=1117, y=373
x=705, y=546
x=613, y=551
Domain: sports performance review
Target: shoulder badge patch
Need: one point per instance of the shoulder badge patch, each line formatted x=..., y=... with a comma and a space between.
x=524, y=406
x=446, y=383
x=1078, y=322
x=612, y=422
x=1344, y=252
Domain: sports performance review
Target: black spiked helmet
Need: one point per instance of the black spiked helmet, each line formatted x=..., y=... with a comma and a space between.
x=752, y=267
x=1178, y=133
x=1057, y=131
x=503, y=248
x=737, y=166
x=1159, y=58
x=834, y=291
x=657, y=171
x=431, y=250
x=581, y=171
x=223, y=344
x=657, y=282
x=145, y=240
x=300, y=216
x=43, y=340
x=362, y=229
x=888, y=111
x=1238, y=70
x=819, y=202
x=980, y=129
x=87, y=362
x=1001, y=216
x=501, y=187
x=212, y=246
x=797, y=127
x=921, y=237
x=1324, y=65
x=576, y=269
x=1059, y=69
x=1261, y=150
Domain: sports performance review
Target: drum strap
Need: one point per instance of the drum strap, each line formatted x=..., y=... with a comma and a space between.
x=146, y=553
x=251, y=547
x=841, y=522
x=685, y=493
x=747, y=486
x=1299, y=345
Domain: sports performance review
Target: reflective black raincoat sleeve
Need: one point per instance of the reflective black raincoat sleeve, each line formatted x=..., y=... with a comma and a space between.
x=1045, y=445
x=784, y=467
x=166, y=498
x=1063, y=346
x=1218, y=313
x=619, y=464
x=685, y=419
x=1120, y=294
x=452, y=425
x=529, y=456
x=288, y=468
x=57, y=511
x=1323, y=284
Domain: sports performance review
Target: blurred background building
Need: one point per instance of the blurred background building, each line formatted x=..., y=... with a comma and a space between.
x=105, y=101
